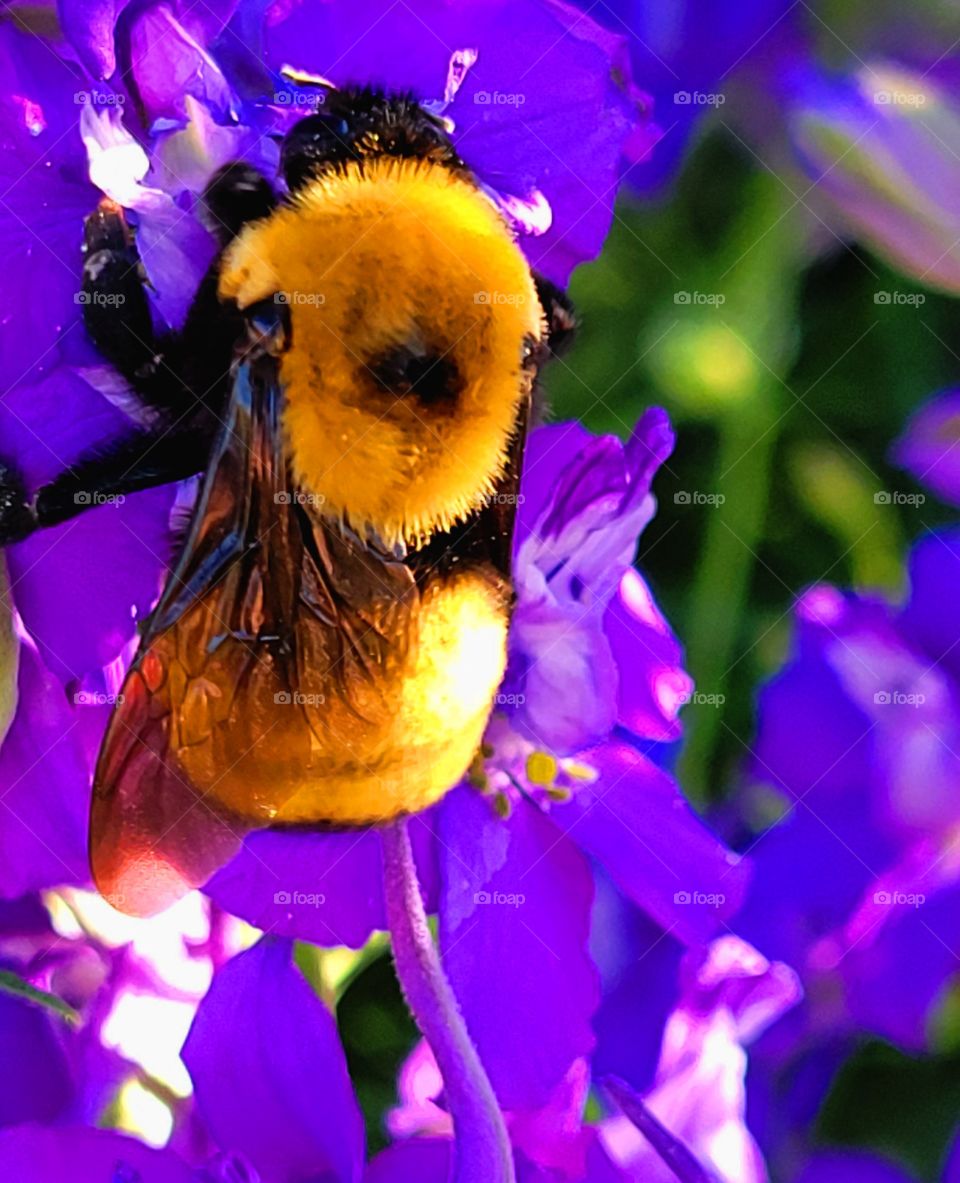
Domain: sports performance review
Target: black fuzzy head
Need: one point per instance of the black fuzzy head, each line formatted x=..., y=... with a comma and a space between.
x=360, y=123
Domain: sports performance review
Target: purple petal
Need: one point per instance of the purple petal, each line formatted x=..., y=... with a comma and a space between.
x=550, y=450
x=288, y=1106
x=895, y=978
x=651, y=682
x=569, y=694
x=567, y=137
x=37, y=1084
x=46, y=195
x=532, y=911
x=930, y=446
x=33, y=1154
x=88, y=25
x=635, y=822
x=930, y=618
x=729, y=995
x=882, y=146
x=425, y=1159
x=176, y=252
x=45, y=769
x=171, y=62
x=111, y=558
x=325, y=888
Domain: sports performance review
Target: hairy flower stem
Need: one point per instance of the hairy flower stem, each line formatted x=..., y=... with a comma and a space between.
x=482, y=1149
x=671, y=1150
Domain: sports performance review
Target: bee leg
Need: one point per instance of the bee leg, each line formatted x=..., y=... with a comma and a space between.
x=561, y=316
x=116, y=313
x=16, y=518
x=102, y=477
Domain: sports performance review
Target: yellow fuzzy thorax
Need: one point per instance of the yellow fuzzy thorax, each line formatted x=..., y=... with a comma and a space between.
x=385, y=255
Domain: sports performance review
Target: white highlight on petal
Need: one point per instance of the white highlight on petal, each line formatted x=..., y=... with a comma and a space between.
x=530, y=215
x=143, y=1114
x=117, y=163
x=461, y=62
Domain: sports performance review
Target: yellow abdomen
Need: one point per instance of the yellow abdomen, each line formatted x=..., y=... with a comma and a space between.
x=394, y=745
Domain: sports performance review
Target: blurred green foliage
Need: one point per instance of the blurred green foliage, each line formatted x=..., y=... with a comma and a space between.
x=787, y=384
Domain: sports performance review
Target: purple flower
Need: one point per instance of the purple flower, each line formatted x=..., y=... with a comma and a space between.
x=929, y=448
x=729, y=995
x=881, y=146
x=857, y=884
x=688, y=53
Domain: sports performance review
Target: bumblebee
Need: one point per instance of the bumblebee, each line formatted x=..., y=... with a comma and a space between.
x=353, y=385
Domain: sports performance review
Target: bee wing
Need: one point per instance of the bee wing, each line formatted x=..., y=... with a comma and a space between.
x=207, y=738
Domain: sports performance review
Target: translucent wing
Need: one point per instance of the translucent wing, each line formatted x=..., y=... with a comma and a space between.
x=269, y=617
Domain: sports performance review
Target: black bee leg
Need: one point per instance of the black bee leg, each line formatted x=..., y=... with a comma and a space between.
x=116, y=313
x=560, y=314
x=16, y=519
x=136, y=462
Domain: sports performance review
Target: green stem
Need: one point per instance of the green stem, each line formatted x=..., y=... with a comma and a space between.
x=747, y=441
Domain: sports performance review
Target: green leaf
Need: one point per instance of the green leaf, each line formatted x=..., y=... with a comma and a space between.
x=11, y=983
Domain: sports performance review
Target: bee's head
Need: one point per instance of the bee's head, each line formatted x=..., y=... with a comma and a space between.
x=363, y=124
x=413, y=320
